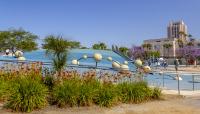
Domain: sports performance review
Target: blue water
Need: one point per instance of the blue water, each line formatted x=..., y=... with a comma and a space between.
x=185, y=84
x=40, y=55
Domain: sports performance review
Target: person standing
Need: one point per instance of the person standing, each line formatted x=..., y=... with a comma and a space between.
x=176, y=64
x=165, y=64
x=149, y=62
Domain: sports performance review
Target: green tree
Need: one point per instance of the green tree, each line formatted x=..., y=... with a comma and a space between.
x=83, y=47
x=100, y=46
x=74, y=44
x=147, y=46
x=18, y=39
x=180, y=43
x=190, y=43
x=181, y=33
x=96, y=46
x=155, y=54
x=191, y=40
x=57, y=48
x=189, y=36
x=123, y=50
x=103, y=46
x=167, y=46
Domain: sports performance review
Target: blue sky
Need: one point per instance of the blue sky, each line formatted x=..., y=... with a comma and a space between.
x=121, y=22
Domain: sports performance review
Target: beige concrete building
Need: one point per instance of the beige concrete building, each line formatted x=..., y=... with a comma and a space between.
x=177, y=30
x=196, y=43
x=158, y=45
x=173, y=32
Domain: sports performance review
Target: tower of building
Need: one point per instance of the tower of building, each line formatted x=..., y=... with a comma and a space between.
x=177, y=30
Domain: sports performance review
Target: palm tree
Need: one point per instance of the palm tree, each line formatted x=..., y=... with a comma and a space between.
x=191, y=40
x=144, y=46
x=155, y=54
x=189, y=36
x=103, y=46
x=74, y=44
x=147, y=46
x=198, y=44
x=180, y=43
x=100, y=46
x=167, y=46
x=57, y=48
x=190, y=43
x=124, y=50
x=96, y=46
x=183, y=34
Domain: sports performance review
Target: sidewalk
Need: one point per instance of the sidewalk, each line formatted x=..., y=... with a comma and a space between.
x=184, y=93
x=181, y=69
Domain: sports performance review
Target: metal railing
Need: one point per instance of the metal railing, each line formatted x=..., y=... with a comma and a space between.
x=166, y=80
x=180, y=81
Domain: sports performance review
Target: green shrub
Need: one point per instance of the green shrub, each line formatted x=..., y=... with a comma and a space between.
x=49, y=82
x=88, y=90
x=76, y=92
x=4, y=90
x=27, y=94
x=107, y=95
x=156, y=93
x=134, y=92
x=67, y=93
x=7, y=76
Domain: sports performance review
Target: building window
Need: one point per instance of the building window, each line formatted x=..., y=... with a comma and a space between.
x=157, y=47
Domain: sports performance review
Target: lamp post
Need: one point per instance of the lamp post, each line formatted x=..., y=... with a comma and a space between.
x=178, y=84
x=19, y=56
x=98, y=57
x=145, y=68
x=176, y=64
x=75, y=62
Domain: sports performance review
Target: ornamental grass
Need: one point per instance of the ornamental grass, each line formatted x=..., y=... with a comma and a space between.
x=29, y=91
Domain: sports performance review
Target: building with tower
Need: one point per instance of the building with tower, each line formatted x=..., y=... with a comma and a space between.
x=177, y=30
x=167, y=46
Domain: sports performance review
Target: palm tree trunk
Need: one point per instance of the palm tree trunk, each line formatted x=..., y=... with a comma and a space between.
x=195, y=62
x=186, y=62
x=168, y=56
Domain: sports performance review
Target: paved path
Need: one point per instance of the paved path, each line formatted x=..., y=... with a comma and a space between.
x=171, y=104
x=184, y=93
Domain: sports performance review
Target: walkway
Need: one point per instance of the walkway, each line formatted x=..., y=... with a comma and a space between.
x=182, y=92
